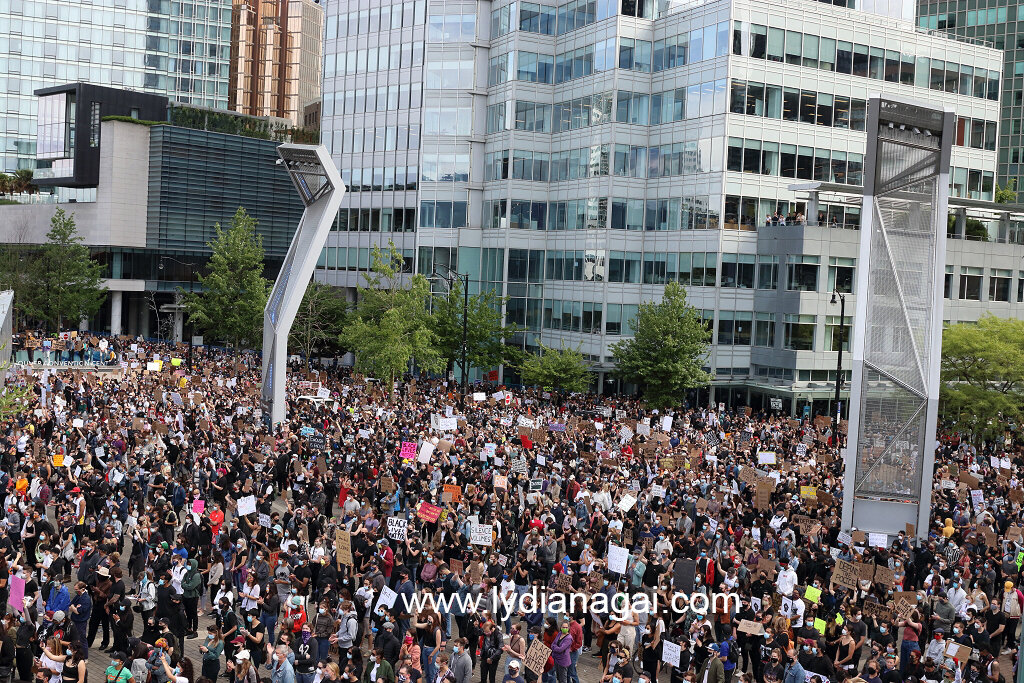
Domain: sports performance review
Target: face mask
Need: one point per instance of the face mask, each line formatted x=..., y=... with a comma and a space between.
x=67, y=652
x=322, y=611
x=373, y=659
x=455, y=650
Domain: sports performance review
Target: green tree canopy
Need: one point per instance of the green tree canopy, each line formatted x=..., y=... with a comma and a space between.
x=60, y=283
x=234, y=292
x=485, y=335
x=665, y=356
x=391, y=324
x=319, y=320
x=983, y=374
x=563, y=368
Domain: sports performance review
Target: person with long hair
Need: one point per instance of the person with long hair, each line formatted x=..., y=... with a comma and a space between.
x=70, y=658
x=212, y=648
x=242, y=670
x=428, y=631
x=50, y=667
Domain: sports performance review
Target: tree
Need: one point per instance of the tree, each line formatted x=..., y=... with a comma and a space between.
x=666, y=353
x=1008, y=193
x=563, y=368
x=391, y=324
x=22, y=182
x=234, y=293
x=14, y=400
x=318, y=321
x=983, y=374
x=17, y=273
x=64, y=284
x=485, y=335
x=6, y=182
x=973, y=228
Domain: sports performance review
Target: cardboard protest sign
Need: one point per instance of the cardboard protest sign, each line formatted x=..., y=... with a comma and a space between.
x=537, y=657
x=343, y=547
x=845, y=574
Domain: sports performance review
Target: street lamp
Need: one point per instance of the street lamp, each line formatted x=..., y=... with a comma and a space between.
x=839, y=358
x=450, y=278
x=191, y=289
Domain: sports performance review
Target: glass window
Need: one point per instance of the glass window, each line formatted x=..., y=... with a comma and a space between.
x=802, y=273
x=970, y=283
x=799, y=332
x=764, y=330
x=840, y=274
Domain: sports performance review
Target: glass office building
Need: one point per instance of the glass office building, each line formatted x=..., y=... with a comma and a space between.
x=577, y=155
x=177, y=48
x=1000, y=25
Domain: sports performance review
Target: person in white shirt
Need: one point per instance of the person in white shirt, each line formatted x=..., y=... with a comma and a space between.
x=786, y=580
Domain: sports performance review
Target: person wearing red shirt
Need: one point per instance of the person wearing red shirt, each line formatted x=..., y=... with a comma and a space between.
x=296, y=613
x=387, y=557
x=216, y=519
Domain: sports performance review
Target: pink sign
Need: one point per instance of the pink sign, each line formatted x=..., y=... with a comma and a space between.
x=198, y=506
x=16, y=597
x=408, y=450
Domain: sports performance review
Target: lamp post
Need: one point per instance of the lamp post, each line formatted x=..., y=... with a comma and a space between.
x=839, y=356
x=191, y=289
x=450, y=279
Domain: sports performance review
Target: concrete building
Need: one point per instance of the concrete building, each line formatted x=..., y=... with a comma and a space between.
x=1001, y=27
x=159, y=189
x=175, y=48
x=576, y=157
x=276, y=52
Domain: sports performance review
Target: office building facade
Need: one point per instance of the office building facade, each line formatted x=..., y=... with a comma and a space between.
x=276, y=52
x=159, y=190
x=176, y=48
x=575, y=157
x=1001, y=27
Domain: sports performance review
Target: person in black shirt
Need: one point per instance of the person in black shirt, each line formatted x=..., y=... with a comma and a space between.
x=305, y=648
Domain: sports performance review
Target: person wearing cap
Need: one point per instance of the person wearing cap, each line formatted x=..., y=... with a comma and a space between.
x=713, y=670
x=118, y=671
x=102, y=588
x=243, y=668
x=513, y=675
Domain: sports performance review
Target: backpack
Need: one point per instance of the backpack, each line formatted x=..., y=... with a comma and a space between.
x=734, y=654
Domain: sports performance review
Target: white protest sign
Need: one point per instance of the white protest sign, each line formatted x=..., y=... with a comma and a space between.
x=247, y=505
x=387, y=598
x=766, y=458
x=627, y=503
x=617, y=558
x=670, y=653
x=426, y=450
x=481, y=534
x=397, y=528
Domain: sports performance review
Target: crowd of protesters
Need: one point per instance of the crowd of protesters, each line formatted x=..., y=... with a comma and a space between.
x=143, y=502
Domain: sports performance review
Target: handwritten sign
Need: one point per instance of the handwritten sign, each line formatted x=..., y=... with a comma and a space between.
x=343, y=547
x=481, y=534
x=537, y=657
x=428, y=512
x=408, y=450
x=397, y=528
